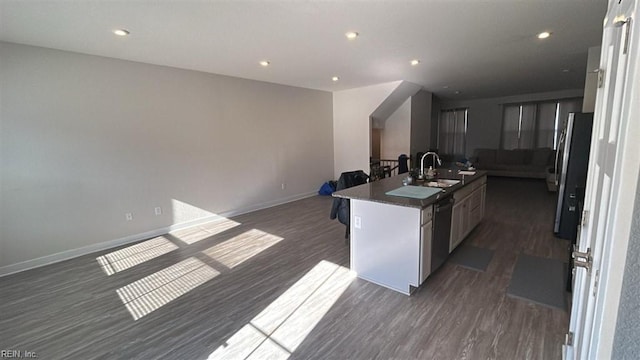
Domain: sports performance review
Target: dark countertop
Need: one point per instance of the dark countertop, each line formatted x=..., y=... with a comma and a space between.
x=375, y=191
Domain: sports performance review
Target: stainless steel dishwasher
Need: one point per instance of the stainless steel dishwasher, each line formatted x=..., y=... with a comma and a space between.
x=441, y=232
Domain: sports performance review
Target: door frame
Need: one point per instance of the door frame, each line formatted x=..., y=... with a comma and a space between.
x=626, y=172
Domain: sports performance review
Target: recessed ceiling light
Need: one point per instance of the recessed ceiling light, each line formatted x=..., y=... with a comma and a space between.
x=565, y=70
x=265, y=63
x=445, y=87
x=335, y=78
x=121, y=32
x=544, y=35
x=457, y=92
x=415, y=62
x=351, y=35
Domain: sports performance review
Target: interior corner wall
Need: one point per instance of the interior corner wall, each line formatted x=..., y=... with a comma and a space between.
x=394, y=137
x=436, y=107
x=485, y=115
x=352, y=125
x=627, y=333
x=421, y=105
x=85, y=139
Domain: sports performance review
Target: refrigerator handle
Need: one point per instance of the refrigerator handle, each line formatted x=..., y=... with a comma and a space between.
x=555, y=169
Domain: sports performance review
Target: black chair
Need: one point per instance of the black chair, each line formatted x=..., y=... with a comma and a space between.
x=340, y=207
x=403, y=166
x=386, y=171
x=378, y=172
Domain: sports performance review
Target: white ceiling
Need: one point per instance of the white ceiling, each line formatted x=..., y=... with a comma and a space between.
x=480, y=48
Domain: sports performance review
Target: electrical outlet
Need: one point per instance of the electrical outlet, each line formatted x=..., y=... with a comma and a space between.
x=158, y=210
x=128, y=216
x=284, y=186
x=357, y=222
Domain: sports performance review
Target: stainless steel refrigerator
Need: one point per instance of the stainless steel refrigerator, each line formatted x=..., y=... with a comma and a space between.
x=572, y=161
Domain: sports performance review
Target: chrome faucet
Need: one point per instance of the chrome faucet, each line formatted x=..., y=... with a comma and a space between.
x=435, y=157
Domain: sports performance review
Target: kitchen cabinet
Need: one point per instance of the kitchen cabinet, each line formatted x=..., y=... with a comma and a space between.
x=425, y=253
x=390, y=244
x=456, y=225
x=468, y=211
x=426, y=235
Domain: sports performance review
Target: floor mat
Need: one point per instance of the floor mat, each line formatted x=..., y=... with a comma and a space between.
x=539, y=280
x=472, y=257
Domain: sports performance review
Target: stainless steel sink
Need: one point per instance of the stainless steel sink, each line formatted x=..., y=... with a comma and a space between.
x=441, y=183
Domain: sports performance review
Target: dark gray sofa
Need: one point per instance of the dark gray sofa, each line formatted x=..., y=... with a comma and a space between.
x=515, y=163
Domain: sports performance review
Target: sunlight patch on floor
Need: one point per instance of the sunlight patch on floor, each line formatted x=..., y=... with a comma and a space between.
x=219, y=226
x=282, y=326
x=131, y=256
x=191, y=235
x=204, y=231
x=156, y=290
x=242, y=247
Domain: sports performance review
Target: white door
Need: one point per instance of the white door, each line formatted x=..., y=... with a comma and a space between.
x=602, y=191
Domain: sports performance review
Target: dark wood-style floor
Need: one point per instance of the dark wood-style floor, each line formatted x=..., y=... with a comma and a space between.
x=71, y=310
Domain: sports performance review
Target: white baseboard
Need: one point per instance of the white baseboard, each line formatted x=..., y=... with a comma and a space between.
x=73, y=253
x=268, y=204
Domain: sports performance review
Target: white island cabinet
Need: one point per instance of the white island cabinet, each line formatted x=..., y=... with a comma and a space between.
x=468, y=211
x=390, y=244
x=392, y=239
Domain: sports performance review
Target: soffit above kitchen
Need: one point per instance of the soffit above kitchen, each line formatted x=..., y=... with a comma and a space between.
x=465, y=49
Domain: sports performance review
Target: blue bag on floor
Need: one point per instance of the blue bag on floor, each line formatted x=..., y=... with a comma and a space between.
x=326, y=189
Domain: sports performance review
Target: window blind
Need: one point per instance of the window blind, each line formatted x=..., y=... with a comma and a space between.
x=452, y=132
x=536, y=124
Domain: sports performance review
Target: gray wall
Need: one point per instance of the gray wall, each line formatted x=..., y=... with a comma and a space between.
x=421, y=104
x=396, y=132
x=627, y=336
x=485, y=115
x=86, y=139
x=436, y=108
x=352, y=124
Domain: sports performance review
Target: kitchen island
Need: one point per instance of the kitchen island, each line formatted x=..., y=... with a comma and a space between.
x=398, y=241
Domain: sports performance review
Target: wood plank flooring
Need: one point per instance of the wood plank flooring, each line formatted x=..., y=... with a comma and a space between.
x=72, y=310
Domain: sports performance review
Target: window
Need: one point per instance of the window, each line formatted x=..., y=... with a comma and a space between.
x=452, y=133
x=535, y=125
